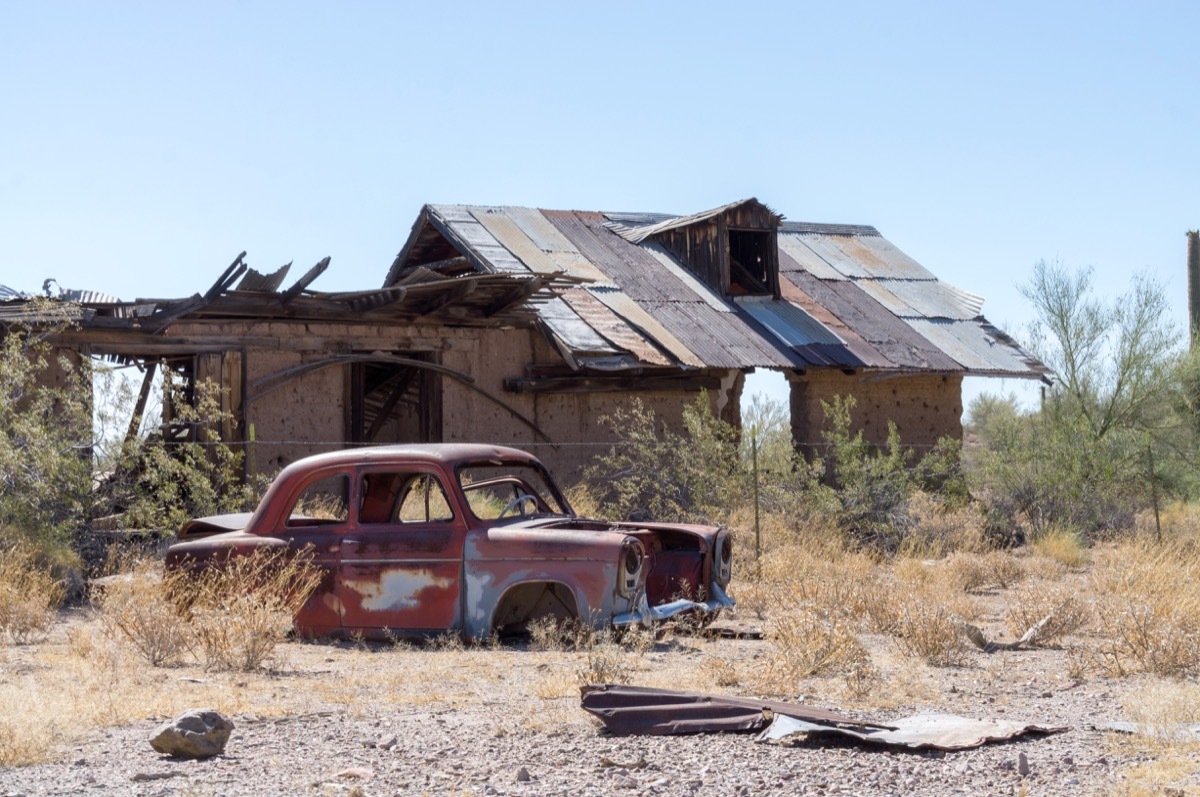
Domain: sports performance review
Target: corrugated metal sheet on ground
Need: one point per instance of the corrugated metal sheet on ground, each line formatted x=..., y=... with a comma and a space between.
x=612, y=327
x=691, y=280
x=897, y=265
x=826, y=247
x=795, y=255
x=970, y=344
x=786, y=321
x=887, y=334
x=517, y=242
x=572, y=330
x=635, y=270
x=633, y=313
x=721, y=340
x=923, y=298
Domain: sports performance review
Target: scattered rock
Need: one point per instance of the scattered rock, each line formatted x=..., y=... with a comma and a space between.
x=355, y=773
x=145, y=777
x=1022, y=764
x=196, y=733
x=523, y=775
x=389, y=743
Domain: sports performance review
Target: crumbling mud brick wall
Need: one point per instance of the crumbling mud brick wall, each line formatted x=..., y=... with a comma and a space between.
x=575, y=422
x=923, y=407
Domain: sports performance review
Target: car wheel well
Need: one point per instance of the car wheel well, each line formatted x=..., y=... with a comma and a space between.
x=533, y=600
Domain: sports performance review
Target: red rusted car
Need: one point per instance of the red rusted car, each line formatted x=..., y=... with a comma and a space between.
x=420, y=540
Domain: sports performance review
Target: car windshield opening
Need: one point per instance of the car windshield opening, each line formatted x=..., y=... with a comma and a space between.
x=505, y=490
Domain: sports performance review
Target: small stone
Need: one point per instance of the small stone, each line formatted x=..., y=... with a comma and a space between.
x=196, y=733
x=624, y=782
x=389, y=743
x=1022, y=764
x=355, y=773
x=523, y=775
x=1047, y=694
x=79, y=762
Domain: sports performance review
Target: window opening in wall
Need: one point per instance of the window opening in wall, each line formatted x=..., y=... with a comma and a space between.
x=749, y=262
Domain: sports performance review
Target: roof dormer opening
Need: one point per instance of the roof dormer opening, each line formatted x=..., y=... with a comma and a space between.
x=750, y=260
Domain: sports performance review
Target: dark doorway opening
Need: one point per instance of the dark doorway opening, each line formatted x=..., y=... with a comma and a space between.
x=394, y=403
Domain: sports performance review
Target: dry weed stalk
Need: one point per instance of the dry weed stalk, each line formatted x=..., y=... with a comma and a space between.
x=29, y=595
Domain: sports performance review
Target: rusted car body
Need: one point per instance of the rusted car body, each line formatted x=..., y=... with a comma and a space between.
x=474, y=539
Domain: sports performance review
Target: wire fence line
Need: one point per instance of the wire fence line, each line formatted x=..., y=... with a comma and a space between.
x=334, y=444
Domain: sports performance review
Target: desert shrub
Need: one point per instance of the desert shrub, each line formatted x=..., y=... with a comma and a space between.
x=607, y=663
x=693, y=474
x=45, y=434
x=1068, y=613
x=1062, y=546
x=29, y=594
x=227, y=618
x=1148, y=611
x=811, y=640
x=932, y=632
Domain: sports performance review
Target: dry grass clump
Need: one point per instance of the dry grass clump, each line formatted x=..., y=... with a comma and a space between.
x=1062, y=546
x=1148, y=614
x=1161, y=709
x=1067, y=610
x=932, y=632
x=226, y=618
x=29, y=595
x=607, y=663
x=810, y=640
x=938, y=530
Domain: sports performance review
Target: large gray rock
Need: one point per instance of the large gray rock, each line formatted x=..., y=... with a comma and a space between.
x=196, y=733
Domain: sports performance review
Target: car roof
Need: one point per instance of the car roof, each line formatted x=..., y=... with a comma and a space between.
x=431, y=453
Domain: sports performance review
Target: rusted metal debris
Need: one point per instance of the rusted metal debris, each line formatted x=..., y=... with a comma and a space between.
x=637, y=710
x=920, y=732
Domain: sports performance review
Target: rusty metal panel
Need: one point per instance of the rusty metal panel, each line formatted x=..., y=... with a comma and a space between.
x=903, y=346
x=721, y=340
x=878, y=290
x=794, y=255
x=921, y=732
x=628, y=309
x=628, y=710
x=895, y=264
x=855, y=351
x=539, y=229
x=453, y=213
x=611, y=326
x=668, y=261
x=978, y=348
x=786, y=321
x=827, y=247
x=934, y=299
x=501, y=259
x=517, y=242
x=572, y=330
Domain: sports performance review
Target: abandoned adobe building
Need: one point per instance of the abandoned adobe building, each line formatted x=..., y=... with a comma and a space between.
x=527, y=327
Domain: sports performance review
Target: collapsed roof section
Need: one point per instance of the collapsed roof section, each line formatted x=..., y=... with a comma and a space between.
x=423, y=295
x=731, y=288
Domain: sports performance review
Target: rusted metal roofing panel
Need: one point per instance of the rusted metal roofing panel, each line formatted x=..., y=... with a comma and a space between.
x=857, y=352
x=635, y=270
x=896, y=264
x=627, y=710
x=639, y=218
x=981, y=349
x=921, y=732
x=721, y=340
x=8, y=294
x=539, y=229
x=795, y=255
x=573, y=331
x=924, y=298
x=786, y=321
x=263, y=283
x=688, y=278
x=633, y=314
x=517, y=242
x=451, y=213
x=827, y=248
x=827, y=229
x=639, y=234
x=612, y=327
x=886, y=333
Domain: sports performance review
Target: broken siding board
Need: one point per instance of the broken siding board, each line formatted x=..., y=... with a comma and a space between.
x=518, y=243
x=628, y=309
x=612, y=327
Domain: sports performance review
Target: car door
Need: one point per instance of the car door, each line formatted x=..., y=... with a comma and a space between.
x=316, y=521
x=400, y=569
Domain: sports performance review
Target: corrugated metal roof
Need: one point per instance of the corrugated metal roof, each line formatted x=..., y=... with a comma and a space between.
x=786, y=321
x=850, y=299
x=7, y=294
x=978, y=348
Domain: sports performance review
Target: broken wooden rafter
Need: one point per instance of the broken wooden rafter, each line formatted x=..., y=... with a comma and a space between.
x=601, y=384
x=513, y=297
x=305, y=281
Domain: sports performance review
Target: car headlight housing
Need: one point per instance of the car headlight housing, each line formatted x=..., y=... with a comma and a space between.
x=629, y=573
x=723, y=559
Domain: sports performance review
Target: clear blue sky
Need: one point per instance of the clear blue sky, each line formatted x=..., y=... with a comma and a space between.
x=145, y=145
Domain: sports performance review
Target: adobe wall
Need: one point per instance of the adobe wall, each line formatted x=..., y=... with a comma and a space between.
x=923, y=407
x=574, y=421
